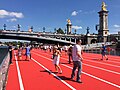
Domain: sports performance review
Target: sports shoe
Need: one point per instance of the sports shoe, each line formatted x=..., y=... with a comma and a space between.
x=79, y=81
x=60, y=72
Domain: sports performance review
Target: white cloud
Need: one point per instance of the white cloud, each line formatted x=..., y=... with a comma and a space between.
x=76, y=27
x=74, y=13
x=15, y=14
x=116, y=26
x=4, y=13
x=12, y=20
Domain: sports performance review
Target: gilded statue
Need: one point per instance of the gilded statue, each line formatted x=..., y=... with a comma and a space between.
x=68, y=21
x=104, y=6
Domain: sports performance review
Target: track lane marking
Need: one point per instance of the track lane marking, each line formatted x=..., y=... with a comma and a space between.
x=85, y=73
x=71, y=87
x=118, y=66
x=107, y=60
x=98, y=62
x=98, y=67
x=19, y=75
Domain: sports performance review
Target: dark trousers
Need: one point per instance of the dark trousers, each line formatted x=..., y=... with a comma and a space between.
x=77, y=64
x=70, y=57
x=10, y=57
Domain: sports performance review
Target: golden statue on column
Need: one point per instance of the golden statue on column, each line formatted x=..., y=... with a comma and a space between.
x=68, y=21
x=104, y=6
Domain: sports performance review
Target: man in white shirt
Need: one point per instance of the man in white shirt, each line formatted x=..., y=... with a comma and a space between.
x=77, y=60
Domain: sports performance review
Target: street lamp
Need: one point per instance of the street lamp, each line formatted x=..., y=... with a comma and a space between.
x=4, y=26
x=65, y=30
x=55, y=30
x=43, y=29
x=88, y=30
x=18, y=27
x=31, y=28
x=75, y=31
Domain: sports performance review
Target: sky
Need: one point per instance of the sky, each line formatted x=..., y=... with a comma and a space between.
x=53, y=14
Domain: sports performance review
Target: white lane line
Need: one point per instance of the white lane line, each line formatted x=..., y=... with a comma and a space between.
x=103, y=63
x=109, y=60
x=19, y=75
x=98, y=68
x=115, y=59
x=86, y=74
x=54, y=75
x=99, y=62
x=96, y=77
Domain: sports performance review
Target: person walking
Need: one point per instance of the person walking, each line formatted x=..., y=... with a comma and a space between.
x=10, y=51
x=77, y=60
x=56, y=60
x=28, y=55
x=70, y=54
x=104, y=52
x=20, y=53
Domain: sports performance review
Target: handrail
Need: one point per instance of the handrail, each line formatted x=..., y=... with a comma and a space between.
x=112, y=51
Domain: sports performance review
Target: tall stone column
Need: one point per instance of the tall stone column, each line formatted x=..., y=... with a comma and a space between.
x=69, y=26
x=103, y=31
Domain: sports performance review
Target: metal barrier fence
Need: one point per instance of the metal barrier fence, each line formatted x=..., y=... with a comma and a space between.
x=3, y=71
x=112, y=51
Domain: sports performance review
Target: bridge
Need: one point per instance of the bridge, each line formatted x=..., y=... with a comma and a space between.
x=34, y=36
x=53, y=38
x=45, y=37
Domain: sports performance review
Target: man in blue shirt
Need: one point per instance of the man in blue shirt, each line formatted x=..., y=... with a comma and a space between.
x=104, y=52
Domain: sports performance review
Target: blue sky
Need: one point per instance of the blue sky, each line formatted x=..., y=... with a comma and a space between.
x=54, y=13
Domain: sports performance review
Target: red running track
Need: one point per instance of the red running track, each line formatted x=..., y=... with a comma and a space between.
x=38, y=73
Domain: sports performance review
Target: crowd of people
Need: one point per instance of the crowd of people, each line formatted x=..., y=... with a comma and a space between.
x=74, y=53
x=20, y=53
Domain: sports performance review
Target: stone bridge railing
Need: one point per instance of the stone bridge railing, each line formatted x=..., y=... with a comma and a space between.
x=3, y=71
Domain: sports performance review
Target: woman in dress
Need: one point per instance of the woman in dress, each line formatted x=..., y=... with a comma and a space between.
x=56, y=60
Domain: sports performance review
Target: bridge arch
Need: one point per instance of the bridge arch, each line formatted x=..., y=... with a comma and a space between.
x=38, y=39
x=93, y=41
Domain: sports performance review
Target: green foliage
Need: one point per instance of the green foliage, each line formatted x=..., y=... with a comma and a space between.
x=60, y=31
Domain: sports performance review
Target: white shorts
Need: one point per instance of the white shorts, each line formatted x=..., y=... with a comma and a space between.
x=56, y=60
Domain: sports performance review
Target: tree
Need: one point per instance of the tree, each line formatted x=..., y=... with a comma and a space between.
x=60, y=31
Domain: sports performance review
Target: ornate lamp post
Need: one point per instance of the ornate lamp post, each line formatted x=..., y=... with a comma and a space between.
x=43, y=29
x=65, y=31
x=75, y=31
x=31, y=28
x=55, y=30
x=4, y=26
x=88, y=30
x=18, y=27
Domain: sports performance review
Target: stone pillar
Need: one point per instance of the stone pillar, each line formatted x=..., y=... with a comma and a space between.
x=69, y=26
x=103, y=31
